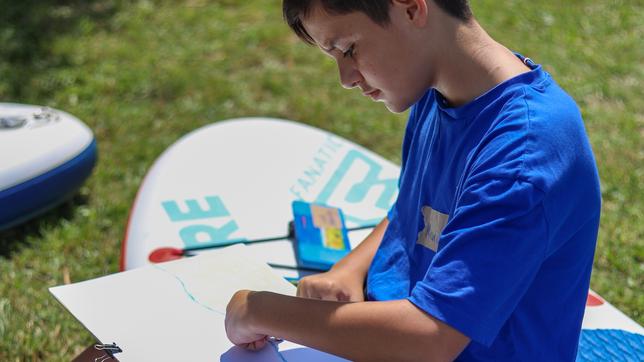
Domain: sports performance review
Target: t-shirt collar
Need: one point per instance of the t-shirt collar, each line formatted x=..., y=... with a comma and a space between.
x=475, y=106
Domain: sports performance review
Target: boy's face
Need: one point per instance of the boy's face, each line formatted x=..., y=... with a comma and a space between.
x=384, y=62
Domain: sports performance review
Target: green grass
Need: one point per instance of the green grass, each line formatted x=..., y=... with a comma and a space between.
x=143, y=73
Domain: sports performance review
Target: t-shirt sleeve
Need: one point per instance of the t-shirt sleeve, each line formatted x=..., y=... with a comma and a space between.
x=488, y=255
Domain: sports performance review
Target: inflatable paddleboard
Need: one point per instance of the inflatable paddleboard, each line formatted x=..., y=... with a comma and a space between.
x=235, y=180
x=46, y=156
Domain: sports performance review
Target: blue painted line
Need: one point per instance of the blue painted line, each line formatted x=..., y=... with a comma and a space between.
x=275, y=346
x=185, y=289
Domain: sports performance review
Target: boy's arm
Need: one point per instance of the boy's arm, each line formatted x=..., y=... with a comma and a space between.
x=345, y=281
x=367, y=331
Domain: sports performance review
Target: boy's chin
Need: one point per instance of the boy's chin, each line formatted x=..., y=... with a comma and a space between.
x=395, y=107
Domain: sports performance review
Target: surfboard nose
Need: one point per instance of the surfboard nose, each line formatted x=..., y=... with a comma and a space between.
x=51, y=154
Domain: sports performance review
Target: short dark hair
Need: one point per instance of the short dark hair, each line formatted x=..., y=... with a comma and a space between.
x=376, y=10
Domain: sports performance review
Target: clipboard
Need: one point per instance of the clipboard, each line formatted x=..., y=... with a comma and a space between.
x=99, y=353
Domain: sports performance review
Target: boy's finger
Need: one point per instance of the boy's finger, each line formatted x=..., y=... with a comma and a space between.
x=314, y=294
x=302, y=290
x=256, y=345
x=330, y=296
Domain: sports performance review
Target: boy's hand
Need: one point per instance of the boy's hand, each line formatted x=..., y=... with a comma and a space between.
x=345, y=281
x=334, y=285
x=238, y=324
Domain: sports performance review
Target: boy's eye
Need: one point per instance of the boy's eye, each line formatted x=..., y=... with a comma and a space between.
x=349, y=52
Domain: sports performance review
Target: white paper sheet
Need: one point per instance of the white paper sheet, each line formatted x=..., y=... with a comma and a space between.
x=175, y=311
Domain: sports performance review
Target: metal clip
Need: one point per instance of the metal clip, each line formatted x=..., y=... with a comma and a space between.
x=110, y=351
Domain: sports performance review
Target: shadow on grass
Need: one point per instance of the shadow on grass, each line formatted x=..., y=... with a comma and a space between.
x=17, y=237
x=27, y=31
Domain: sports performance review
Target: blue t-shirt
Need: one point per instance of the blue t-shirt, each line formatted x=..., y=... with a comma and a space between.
x=496, y=220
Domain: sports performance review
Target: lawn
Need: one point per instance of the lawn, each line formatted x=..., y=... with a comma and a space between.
x=143, y=73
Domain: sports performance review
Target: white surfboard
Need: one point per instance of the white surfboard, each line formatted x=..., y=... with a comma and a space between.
x=235, y=180
x=46, y=154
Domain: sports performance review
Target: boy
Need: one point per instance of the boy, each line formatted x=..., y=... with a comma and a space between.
x=486, y=254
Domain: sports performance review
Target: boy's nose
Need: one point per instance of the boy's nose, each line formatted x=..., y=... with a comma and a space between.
x=349, y=76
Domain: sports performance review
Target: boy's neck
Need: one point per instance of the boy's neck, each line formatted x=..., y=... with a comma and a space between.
x=475, y=64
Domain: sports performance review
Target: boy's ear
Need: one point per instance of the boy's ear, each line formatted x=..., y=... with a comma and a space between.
x=415, y=10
